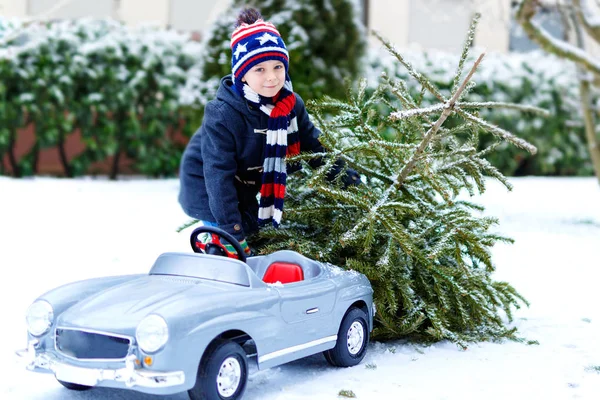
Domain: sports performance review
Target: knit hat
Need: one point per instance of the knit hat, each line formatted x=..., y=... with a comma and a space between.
x=252, y=44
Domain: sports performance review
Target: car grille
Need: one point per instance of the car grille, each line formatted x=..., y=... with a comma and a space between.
x=91, y=345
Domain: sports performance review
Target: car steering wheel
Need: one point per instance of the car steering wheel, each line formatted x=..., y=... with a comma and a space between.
x=216, y=247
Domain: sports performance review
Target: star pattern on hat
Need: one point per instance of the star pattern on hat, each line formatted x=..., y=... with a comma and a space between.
x=267, y=37
x=241, y=48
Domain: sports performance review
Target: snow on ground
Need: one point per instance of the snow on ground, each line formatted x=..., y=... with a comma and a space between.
x=53, y=231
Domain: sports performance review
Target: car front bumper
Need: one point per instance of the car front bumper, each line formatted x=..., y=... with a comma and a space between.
x=128, y=375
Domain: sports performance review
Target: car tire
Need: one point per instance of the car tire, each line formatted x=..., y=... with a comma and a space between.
x=74, y=386
x=353, y=338
x=222, y=374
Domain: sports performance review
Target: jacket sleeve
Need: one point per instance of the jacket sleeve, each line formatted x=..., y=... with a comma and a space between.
x=220, y=166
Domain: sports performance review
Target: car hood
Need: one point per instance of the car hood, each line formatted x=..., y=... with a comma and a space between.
x=121, y=308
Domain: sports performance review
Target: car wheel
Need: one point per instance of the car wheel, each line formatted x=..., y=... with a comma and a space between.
x=74, y=386
x=353, y=338
x=222, y=374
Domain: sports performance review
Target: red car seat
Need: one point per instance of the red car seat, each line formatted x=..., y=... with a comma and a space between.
x=283, y=272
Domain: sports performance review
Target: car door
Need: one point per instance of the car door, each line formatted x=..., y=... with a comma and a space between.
x=306, y=308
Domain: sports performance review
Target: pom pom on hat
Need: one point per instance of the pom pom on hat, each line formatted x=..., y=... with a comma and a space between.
x=252, y=44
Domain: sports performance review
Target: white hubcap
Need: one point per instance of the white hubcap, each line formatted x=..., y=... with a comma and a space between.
x=229, y=377
x=355, y=338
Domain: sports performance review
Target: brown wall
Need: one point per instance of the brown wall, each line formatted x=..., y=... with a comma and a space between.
x=49, y=160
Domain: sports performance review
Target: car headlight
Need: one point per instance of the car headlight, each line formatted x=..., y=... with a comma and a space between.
x=39, y=316
x=152, y=333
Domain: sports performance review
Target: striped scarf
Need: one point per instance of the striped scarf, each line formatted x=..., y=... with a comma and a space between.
x=282, y=141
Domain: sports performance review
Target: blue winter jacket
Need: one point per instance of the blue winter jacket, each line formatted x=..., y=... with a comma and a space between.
x=221, y=167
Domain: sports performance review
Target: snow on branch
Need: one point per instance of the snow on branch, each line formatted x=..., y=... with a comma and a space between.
x=509, y=106
x=566, y=49
x=525, y=13
x=417, y=112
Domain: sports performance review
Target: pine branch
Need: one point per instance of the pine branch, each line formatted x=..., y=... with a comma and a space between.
x=187, y=225
x=328, y=103
x=342, y=196
x=400, y=90
x=417, y=112
x=509, y=106
x=385, y=144
x=501, y=133
x=448, y=109
x=326, y=207
x=465, y=53
x=370, y=172
x=417, y=75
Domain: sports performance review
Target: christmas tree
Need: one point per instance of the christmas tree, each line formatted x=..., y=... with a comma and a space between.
x=408, y=228
x=326, y=42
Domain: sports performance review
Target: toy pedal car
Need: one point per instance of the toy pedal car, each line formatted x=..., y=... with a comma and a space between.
x=194, y=320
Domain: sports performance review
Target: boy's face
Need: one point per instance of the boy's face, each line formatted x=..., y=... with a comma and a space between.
x=266, y=78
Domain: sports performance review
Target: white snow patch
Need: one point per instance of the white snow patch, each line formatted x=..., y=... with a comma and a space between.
x=56, y=231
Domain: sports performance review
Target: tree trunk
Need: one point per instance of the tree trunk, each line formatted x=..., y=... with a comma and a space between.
x=119, y=117
x=114, y=171
x=585, y=99
x=588, y=118
x=586, y=65
x=36, y=157
x=62, y=153
x=11, y=155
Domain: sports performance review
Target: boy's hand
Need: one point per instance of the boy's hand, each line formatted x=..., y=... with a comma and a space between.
x=352, y=178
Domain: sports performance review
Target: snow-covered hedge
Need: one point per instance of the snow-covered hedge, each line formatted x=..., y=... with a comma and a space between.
x=122, y=88
x=126, y=90
x=525, y=78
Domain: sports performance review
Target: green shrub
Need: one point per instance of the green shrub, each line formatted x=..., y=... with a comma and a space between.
x=121, y=87
x=326, y=42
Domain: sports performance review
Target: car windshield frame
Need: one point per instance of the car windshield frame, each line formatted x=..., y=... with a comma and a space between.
x=202, y=266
